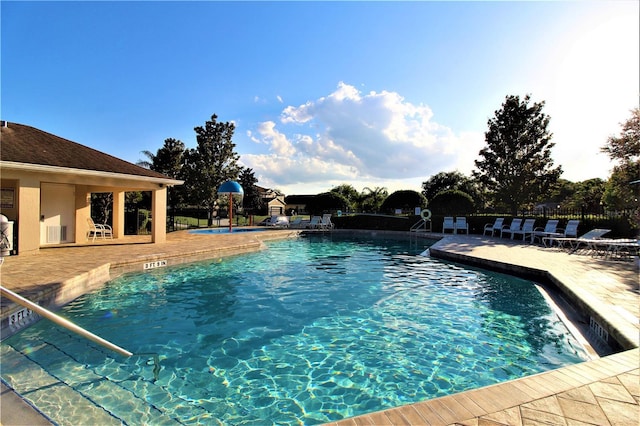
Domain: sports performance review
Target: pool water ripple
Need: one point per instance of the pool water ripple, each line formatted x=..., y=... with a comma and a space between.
x=308, y=331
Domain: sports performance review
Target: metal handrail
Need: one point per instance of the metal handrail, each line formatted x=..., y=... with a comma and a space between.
x=422, y=223
x=63, y=322
x=77, y=329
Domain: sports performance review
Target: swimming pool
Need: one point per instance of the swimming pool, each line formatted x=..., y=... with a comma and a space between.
x=311, y=330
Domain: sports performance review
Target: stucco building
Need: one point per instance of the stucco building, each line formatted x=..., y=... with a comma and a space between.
x=46, y=185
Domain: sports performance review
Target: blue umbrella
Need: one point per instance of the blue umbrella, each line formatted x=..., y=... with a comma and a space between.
x=231, y=187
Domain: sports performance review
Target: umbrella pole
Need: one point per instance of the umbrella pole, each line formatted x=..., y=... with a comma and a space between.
x=230, y=211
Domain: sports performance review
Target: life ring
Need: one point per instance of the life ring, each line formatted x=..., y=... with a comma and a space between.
x=425, y=214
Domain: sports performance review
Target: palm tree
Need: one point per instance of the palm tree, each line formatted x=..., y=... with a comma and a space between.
x=371, y=199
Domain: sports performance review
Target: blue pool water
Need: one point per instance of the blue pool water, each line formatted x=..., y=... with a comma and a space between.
x=308, y=331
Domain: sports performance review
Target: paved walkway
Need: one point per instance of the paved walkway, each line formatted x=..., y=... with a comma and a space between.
x=605, y=391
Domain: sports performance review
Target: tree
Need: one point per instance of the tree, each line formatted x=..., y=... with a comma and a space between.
x=211, y=163
x=625, y=147
x=585, y=195
x=620, y=192
x=251, y=201
x=349, y=193
x=445, y=181
x=102, y=207
x=325, y=202
x=516, y=167
x=169, y=161
x=406, y=200
x=371, y=199
x=452, y=202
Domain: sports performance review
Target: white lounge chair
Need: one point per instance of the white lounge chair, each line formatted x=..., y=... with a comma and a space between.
x=563, y=235
x=549, y=229
x=526, y=230
x=298, y=223
x=509, y=229
x=448, y=224
x=586, y=239
x=278, y=221
x=326, y=221
x=315, y=223
x=617, y=247
x=98, y=230
x=461, y=224
x=493, y=227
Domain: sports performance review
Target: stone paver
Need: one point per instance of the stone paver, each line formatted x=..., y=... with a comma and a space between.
x=603, y=391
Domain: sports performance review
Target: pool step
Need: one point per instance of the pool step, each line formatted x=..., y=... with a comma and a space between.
x=74, y=382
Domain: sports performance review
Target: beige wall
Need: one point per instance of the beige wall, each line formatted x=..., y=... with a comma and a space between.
x=26, y=212
x=118, y=214
x=83, y=212
x=159, y=215
x=28, y=224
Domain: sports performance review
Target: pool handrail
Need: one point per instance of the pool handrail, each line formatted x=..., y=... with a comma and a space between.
x=62, y=322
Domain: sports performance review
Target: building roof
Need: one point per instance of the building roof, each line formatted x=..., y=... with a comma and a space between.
x=28, y=145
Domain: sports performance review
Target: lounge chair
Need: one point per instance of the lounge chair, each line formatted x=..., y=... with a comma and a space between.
x=574, y=244
x=315, y=223
x=550, y=228
x=563, y=235
x=571, y=230
x=618, y=247
x=526, y=230
x=98, y=230
x=326, y=221
x=278, y=221
x=461, y=224
x=509, y=229
x=493, y=227
x=448, y=224
x=298, y=223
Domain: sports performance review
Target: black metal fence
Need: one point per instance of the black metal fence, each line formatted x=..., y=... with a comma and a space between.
x=582, y=214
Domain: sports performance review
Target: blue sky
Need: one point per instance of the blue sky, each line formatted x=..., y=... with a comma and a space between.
x=375, y=94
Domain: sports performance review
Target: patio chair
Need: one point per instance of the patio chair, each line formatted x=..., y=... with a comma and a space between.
x=586, y=239
x=619, y=248
x=326, y=221
x=461, y=224
x=278, y=221
x=526, y=230
x=550, y=228
x=493, y=227
x=509, y=229
x=448, y=224
x=563, y=236
x=315, y=223
x=571, y=230
x=298, y=223
x=96, y=229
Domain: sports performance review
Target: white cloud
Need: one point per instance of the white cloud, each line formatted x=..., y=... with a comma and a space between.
x=277, y=141
x=348, y=137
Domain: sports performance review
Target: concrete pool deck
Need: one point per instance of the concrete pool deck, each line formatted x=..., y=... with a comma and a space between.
x=604, y=391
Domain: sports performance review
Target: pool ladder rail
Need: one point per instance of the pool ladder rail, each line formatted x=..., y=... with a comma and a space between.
x=421, y=226
x=77, y=329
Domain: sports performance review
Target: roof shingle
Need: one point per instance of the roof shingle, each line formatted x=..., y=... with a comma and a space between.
x=26, y=144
